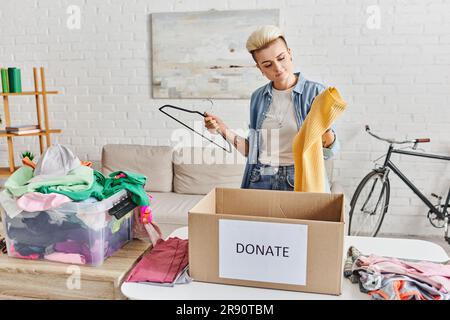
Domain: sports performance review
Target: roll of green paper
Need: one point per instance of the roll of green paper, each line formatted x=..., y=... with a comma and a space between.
x=12, y=81
x=18, y=80
x=5, y=81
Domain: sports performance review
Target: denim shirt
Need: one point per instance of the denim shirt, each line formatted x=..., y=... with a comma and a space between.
x=303, y=95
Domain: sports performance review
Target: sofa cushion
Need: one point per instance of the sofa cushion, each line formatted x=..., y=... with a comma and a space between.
x=198, y=170
x=155, y=162
x=172, y=208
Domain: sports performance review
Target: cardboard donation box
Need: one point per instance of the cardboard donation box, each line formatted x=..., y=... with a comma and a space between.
x=270, y=239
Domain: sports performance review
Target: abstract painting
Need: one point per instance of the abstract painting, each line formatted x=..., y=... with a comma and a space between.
x=203, y=54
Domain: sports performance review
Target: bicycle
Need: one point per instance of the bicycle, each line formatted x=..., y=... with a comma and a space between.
x=370, y=201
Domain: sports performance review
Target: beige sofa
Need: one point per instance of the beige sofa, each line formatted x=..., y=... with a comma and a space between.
x=179, y=178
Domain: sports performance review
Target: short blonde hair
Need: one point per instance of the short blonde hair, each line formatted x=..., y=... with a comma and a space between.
x=262, y=37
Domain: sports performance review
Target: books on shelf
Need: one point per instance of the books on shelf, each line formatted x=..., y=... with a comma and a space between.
x=19, y=133
x=15, y=82
x=5, y=80
x=11, y=80
x=23, y=127
x=25, y=131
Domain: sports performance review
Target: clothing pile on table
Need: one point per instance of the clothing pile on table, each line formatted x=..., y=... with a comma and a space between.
x=165, y=265
x=42, y=217
x=386, y=278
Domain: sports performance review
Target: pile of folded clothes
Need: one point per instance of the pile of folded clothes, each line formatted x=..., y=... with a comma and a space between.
x=165, y=265
x=57, y=208
x=386, y=278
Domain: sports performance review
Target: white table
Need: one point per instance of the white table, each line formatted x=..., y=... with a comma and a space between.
x=400, y=248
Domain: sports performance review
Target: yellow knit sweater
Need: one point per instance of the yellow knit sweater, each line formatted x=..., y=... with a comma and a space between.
x=307, y=144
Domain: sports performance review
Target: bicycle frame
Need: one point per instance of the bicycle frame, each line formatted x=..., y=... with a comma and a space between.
x=388, y=164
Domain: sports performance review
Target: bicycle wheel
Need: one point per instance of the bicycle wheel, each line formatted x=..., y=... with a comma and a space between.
x=369, y=205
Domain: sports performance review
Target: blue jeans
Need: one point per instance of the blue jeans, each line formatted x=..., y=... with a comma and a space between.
x=272, y=178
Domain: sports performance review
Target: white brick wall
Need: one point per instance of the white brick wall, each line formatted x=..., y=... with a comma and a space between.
x=395, y=78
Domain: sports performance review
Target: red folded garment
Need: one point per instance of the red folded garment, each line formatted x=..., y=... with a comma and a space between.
x=163, y=263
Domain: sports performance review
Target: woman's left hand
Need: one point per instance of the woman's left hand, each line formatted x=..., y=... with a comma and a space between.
x=328, y=138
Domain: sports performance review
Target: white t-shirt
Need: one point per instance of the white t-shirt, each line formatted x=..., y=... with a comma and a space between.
x=278, y=130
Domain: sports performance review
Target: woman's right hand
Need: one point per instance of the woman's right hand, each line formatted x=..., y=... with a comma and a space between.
x=214, y=124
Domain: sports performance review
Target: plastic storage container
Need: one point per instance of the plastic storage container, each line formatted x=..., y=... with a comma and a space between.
x=76, y=232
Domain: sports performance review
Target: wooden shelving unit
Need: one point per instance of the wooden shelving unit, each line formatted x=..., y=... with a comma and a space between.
x=45, y=128
x=27, y=93
x=3, y=133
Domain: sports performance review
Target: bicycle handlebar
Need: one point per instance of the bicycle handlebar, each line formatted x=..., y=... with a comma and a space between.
x=392, y=141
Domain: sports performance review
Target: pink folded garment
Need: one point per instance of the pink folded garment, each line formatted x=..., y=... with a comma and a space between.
x=72, y=258
x=35, y=201
x=163, y=263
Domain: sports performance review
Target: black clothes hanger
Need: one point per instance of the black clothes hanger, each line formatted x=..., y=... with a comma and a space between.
x=198, y=112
